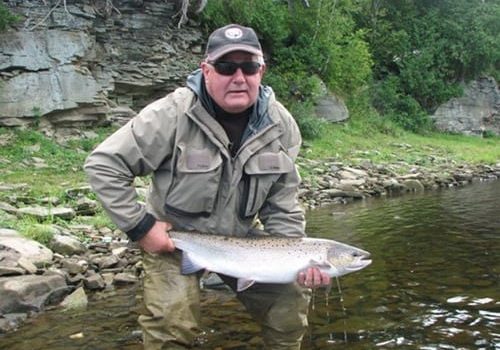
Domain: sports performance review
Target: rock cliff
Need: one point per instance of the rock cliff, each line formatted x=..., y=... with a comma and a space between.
x=89, y=63
x=477, y=112
x=78, y=63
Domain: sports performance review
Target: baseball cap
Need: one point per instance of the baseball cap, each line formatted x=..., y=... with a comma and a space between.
x=232, y=37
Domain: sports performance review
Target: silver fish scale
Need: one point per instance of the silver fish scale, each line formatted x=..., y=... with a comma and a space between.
x=266, y=259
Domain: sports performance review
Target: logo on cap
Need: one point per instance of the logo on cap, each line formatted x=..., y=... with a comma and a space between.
x=233, y=33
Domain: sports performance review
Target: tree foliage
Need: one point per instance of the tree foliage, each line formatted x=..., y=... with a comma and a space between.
x=6, y=17
x=302, y=42
x=303, y=45
x=413, y=53
x=424, y=49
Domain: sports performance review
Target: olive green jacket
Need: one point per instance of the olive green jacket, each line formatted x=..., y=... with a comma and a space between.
x=196, y=184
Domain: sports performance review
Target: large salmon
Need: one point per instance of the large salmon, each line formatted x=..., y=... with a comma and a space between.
x=266, y=259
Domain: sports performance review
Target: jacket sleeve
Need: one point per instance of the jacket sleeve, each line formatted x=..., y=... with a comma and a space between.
x=136, y=149
x=281, y=213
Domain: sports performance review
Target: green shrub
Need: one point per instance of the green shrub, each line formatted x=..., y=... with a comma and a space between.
x=310, y=126
x=6, y=17
x=489, y=134
x=390, y=99
x=423, y=49
x=303, y=46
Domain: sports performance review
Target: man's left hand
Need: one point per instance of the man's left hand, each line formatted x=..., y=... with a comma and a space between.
x=312, y=277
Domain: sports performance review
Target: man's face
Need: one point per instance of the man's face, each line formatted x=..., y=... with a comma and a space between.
x=236, y=92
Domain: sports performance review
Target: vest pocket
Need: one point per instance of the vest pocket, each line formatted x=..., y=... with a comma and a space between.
x=260, y=172
x=196, y=182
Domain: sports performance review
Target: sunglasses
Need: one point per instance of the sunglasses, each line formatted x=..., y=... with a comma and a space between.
x=229, y=68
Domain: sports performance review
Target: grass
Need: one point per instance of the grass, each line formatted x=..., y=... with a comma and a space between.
x=344, y=144
x=370, y=138
x=97, y=221
x=42, y=233
x=62, y=166
x=363, y=138
x=36, y=180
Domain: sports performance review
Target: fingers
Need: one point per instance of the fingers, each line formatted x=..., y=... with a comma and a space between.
x=301, y=278
x=157, y=239
x=168, y=226
x=325, y=279
x=313, y=277
x=168, y=243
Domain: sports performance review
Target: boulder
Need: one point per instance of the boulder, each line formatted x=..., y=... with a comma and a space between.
x=106, y=261
x=330, y=107
x=76, y=300
x=6, y=207
x=67, y=244
x=86, y=206
x=43, y=213
x=475, y=113
x=35, y=252
x=74, y=265
x=94, y=281
x=9, y=262
x=30, y=292
x=125, y=278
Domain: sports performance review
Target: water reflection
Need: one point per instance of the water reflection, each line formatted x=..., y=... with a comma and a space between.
x=433, y=284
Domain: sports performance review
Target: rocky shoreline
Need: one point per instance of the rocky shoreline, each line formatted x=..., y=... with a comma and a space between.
x=333, y=182
x=79, y=258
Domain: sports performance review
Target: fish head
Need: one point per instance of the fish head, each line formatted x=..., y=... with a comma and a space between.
x=343, y=259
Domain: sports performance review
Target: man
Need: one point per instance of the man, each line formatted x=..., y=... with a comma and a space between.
x=221, y=153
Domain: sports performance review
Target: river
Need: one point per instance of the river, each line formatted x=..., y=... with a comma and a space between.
x=434, y=284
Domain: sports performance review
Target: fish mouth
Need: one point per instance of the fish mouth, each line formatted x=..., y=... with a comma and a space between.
x=360, y=263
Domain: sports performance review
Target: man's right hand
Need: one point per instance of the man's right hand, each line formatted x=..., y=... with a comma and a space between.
x=157, y=239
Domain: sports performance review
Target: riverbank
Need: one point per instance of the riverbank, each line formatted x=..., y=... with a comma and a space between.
x=334, y=182
x=58, y=245
x=80, y=256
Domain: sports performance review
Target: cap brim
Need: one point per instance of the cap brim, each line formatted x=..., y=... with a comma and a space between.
x=216, y=54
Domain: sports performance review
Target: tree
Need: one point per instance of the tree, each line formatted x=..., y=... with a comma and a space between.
x=302, y=42
x=306, y=43
x=424, y=49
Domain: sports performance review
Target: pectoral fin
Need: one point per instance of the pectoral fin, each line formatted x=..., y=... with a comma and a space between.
x=318, y=264
x=188, y=265
x=243, y=284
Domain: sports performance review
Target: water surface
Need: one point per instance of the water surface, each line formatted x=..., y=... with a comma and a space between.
x=434, y=284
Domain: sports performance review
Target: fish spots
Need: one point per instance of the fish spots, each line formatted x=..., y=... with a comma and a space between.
x=273, y=259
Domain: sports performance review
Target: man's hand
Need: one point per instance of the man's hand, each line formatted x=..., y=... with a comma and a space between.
x=157, y=239
x=312, y=277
